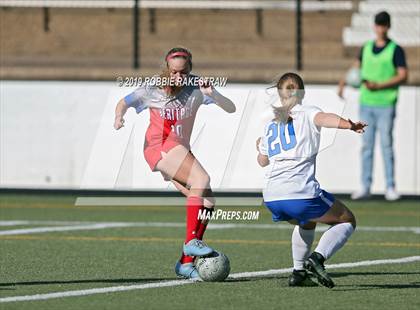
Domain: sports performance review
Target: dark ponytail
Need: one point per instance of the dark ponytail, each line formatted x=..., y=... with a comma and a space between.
x=296, y=94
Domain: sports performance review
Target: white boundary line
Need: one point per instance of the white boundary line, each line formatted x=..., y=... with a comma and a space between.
x=159, y=201
x=61, y=228
x=409, y=259
x=30, y=222
x=112, y=289
x=72, y=226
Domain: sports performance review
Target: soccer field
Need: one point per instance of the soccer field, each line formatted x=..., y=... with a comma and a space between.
x=55, y=255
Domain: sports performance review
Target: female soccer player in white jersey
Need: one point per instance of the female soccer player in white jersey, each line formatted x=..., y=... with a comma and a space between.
x=173, y=105
x=289, y=145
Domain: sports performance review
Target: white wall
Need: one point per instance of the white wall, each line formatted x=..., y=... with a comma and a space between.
x=59, y=135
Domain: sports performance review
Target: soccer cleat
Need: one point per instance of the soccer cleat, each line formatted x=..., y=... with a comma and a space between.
x=301, y=278
x=362, y=194
x=391, y=194
x=315, y=264
x=196, y=247
x=187, y=271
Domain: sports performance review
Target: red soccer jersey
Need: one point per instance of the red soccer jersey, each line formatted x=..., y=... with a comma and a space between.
x=171, y=117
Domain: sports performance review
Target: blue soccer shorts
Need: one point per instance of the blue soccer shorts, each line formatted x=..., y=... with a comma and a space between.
x=301, y=210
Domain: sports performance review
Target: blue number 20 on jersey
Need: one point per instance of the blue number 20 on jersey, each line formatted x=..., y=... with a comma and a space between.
x=276, y=133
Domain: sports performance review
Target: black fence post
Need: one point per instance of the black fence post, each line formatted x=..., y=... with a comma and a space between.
x=259, y=21
x=136, y=37
x=46, y=12
x=152, y=20
x=299, y=65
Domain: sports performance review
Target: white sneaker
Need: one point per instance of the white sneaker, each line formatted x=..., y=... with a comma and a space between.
x=391, y=194
x=362, y=194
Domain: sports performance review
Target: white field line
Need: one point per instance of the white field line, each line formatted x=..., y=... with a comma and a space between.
x=69, y=226
x=28, y=222
x=38, y=230
x=112, y=289
x=13, y=223
x=159, y=201
x=409, y=259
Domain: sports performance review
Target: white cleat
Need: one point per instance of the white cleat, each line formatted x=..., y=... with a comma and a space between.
x=359, y=195
x=392, y=195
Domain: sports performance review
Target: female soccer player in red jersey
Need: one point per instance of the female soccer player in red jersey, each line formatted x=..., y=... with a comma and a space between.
x=173, y=107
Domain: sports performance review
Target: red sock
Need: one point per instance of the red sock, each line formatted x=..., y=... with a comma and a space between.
x=201, y=228
x=186, y=259
x=194, y=204
x=200, y=231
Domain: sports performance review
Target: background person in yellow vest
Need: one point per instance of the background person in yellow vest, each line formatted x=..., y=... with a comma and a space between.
x=383, y=68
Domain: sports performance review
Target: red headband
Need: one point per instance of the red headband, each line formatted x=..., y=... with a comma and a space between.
x=176, y=54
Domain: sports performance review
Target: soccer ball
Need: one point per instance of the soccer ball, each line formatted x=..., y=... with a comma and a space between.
x=214, y=267
x=353, y=78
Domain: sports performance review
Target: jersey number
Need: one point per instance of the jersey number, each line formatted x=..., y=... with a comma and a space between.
x=177, y=129
x=277, y=136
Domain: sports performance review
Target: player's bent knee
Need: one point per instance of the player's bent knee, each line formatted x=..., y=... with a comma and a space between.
x=206, y=178
x=200, y=180
x=350, y=218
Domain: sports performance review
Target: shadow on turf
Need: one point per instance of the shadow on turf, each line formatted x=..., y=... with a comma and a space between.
x=357, y=287
x=255, y=279
x=379, y=286
x=86, y=281
x=6, y=286
x=368, y=287
x=365, y=287
x=346, y=274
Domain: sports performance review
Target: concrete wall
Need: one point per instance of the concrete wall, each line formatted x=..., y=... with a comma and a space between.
x=59, y=135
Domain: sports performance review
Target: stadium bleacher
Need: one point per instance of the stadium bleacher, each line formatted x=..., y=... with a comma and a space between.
x=308, y=5
x=93, y=39
x=405, y=26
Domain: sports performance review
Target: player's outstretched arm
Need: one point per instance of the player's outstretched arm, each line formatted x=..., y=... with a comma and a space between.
x=331, y=120
x=120, y=111
x=225, y=103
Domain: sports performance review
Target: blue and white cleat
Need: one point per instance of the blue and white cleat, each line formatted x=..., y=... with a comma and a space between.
x=187, y=271
x=196, y=247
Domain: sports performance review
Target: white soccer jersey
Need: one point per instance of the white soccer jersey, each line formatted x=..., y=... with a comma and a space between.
x=292, y=149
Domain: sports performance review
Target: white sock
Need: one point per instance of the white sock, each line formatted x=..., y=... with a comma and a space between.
x=301, y=245
x=333, y=239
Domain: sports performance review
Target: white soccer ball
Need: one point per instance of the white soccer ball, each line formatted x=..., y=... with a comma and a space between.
x=353, y=78
x=214, y=267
